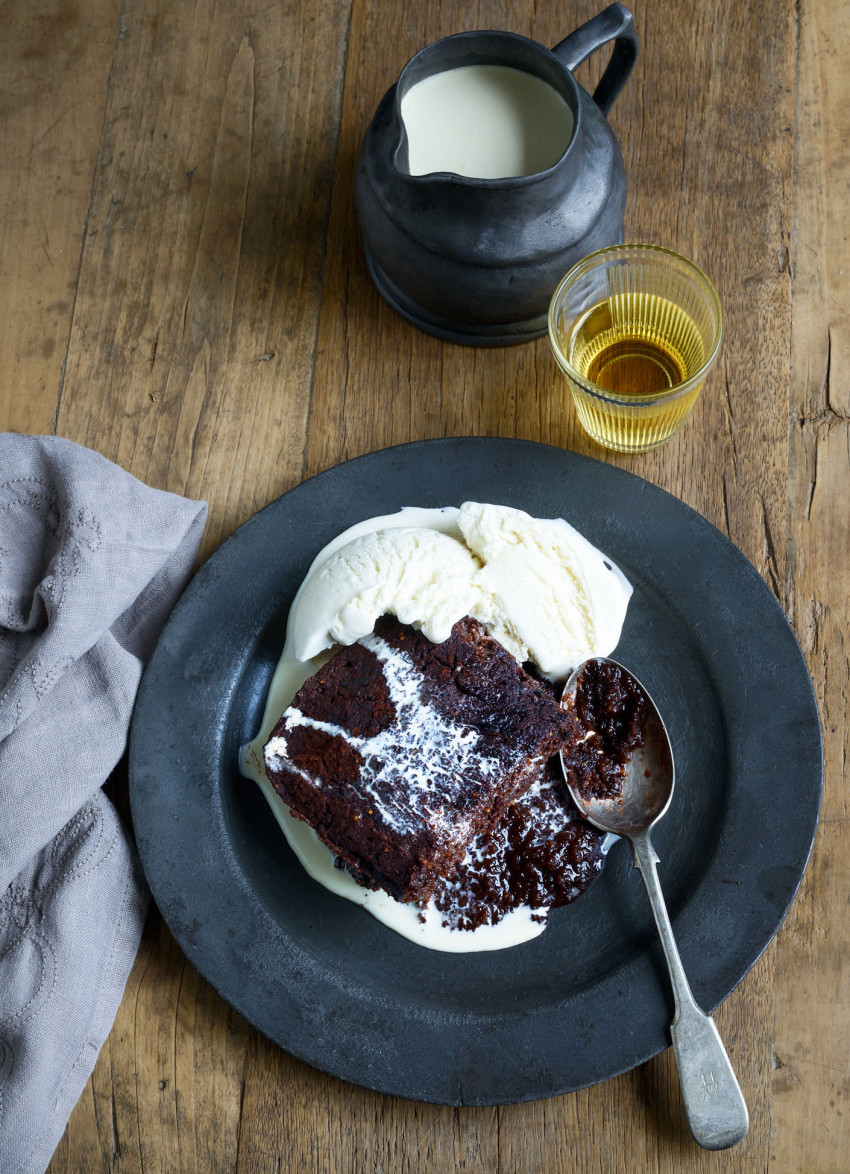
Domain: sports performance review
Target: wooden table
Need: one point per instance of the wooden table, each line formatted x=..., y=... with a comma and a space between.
x=184, y=290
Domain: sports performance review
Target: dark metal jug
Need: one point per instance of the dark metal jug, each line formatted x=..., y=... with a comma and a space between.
x=476, y=260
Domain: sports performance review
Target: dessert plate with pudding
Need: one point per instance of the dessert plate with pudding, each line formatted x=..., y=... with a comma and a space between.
x=421, y=753
x=583, y=1000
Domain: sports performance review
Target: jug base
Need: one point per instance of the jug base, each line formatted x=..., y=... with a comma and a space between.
x=465, y=333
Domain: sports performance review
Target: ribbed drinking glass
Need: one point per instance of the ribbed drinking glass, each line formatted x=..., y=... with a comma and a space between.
x=635, y=330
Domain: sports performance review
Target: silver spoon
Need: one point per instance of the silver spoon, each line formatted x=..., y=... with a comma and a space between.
x=714, y=1104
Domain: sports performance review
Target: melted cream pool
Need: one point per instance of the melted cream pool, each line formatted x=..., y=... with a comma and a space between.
x=422, y=926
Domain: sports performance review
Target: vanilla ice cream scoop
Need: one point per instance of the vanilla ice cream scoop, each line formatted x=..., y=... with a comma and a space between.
x=421, y=575
x=537, y=586
x=544, y=591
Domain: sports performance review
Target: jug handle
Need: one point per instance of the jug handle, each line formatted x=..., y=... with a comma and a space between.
x=615, y=23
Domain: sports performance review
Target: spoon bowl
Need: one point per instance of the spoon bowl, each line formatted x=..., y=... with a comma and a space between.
x=622, y=755
x=648, y=776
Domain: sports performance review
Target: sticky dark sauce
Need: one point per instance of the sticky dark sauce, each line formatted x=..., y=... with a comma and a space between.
x=543, y=854
x=611, y=714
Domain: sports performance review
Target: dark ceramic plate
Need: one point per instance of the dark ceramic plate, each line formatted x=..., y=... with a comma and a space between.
x=589, y=998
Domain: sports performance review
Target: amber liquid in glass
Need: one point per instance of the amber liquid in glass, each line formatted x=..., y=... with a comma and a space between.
x=635, y=345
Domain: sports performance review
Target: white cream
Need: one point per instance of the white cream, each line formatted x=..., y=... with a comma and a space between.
x=498, y=534
x=537, y=585
x=484, y=122
x=543, y=591
x=421, y=575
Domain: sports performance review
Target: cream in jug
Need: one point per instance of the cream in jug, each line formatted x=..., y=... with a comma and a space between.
x=484, y=122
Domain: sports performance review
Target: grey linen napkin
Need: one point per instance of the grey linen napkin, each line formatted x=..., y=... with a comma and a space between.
x=91, y=563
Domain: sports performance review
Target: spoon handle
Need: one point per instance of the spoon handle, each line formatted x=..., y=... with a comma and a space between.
x=714, y=1104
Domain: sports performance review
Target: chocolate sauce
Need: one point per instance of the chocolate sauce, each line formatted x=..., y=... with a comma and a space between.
x=611, y=715
x=542, y=854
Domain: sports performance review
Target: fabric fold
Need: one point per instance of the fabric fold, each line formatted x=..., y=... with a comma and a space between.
x=91, y=564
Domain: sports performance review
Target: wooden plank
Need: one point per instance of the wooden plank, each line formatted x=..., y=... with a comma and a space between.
x=189, y=363
x=54, y=61
x=192, y=347
x=699, y=161
x=811, y=1077
x=380, y=381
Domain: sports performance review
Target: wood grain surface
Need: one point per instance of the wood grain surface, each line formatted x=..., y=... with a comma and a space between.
x=184, y=290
